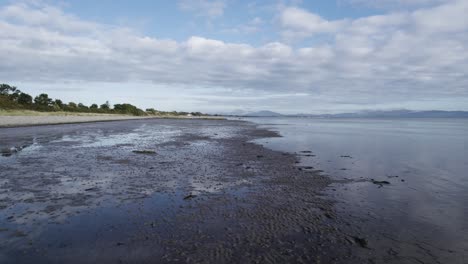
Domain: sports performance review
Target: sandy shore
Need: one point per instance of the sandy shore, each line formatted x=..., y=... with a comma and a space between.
x=17, y=121
x=21, y=121
x=166, y=191
x=180, y=191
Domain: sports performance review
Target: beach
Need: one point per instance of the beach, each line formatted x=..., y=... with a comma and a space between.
x=17, y=121
x=180, y=191
x=47, y=118
x=192, y=191
x=405, y=184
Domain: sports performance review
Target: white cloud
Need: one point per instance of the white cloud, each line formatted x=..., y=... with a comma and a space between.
x=253, y=26
x=300, y=22
x=392, y=4
x=392, y=59
x=206, y=8
x=46, y=16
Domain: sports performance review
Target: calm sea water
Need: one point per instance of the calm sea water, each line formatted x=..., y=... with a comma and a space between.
x=423, y=212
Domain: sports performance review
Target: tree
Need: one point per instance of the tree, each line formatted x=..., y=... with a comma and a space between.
x=71, y=106
x=25, y=99
x=43, y=100
x=105, y=106
x=14, y=96
x=6, y=89
x=82, y=106
x=11, y=92
x=128, y=109
x=59, y=103
x=151, y=111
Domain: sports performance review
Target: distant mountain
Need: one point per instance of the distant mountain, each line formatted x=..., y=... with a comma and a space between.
x=396, y=114
x=236, y=113
x=264, y=113
x=362, y=114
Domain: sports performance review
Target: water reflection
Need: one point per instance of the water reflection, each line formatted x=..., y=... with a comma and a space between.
x=424, y=160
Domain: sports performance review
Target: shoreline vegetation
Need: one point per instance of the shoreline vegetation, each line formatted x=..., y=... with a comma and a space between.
x=14, y=102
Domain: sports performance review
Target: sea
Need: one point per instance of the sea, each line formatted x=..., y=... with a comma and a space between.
x=401, y=183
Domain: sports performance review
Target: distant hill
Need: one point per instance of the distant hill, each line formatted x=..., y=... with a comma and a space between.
x=362, y=114
x=397, y=114
x=264, y=113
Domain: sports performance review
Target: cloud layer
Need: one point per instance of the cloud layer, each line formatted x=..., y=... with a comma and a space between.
x=394, y=59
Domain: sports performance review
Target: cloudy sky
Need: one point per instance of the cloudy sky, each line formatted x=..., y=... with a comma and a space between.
x=320, y=56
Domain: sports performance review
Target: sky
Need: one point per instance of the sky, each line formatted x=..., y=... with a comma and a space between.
x=218, y=56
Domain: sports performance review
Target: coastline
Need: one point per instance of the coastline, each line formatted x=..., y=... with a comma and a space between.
x=386, y=168
x=192, y=191
x=206, y=195
x=11, y=121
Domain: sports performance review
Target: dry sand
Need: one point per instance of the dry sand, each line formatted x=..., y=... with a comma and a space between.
x=17, y=121
x=31, y=118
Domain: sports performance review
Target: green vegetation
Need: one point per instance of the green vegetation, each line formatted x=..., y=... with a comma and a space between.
x=11, y=98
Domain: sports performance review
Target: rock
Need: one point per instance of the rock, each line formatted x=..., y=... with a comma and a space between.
x=149, y=152
x=380, y=183
x=361, y=241
x=190, y=196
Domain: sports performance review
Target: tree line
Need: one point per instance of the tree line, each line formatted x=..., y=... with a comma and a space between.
x=12, y=98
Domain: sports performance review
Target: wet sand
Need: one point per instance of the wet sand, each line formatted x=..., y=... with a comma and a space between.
x=165, y=191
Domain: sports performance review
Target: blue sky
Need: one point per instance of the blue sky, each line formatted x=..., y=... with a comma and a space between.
x=224, y=55
x=166, y=19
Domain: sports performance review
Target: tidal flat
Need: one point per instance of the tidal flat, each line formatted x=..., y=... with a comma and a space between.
x=168, y=191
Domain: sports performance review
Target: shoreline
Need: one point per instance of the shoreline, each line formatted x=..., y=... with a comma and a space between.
x=207, y=191
x=226, y=199
x=14, y=121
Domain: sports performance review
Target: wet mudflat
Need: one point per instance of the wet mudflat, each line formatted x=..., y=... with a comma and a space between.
x=165, y=191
